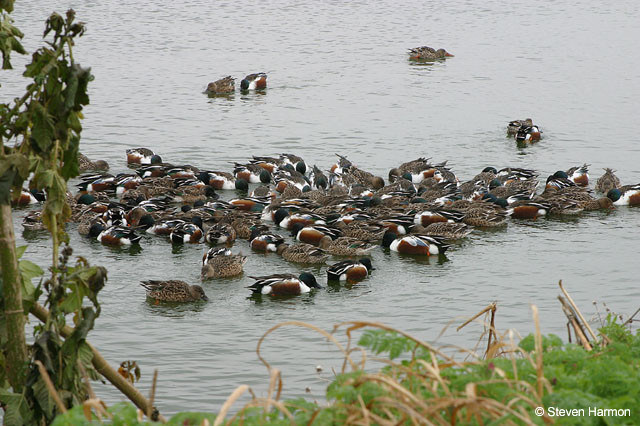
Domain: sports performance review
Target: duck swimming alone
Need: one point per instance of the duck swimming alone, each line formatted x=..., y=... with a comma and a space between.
x=428, y=53
x=256, y=81
x=173, y=291
x=223, y=86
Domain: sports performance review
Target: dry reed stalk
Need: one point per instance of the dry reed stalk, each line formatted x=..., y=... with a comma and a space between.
x=364, y=410
x=50, y=387
x=631, y=318
x=577, y=328
x=152, y=394
x=538, y=339
x=85, y=379
x=306, y=325
x=273, y=379
x=577, y=311
x=237, y=393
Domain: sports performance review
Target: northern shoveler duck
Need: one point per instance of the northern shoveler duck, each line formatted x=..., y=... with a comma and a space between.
x=223, y=180
x=25, y=198
x=446, y=230
x=627, y=195
x=284, y=284
x=173, y=291
x=485, y=215
x=287, y=220
x=256, y=81
x=266, y=242
x=579, y=175
x=85, y=164
x=297, y=162
x=515, y=125
x=312, y=234
x=115, y=216
x=220, y=233
x=224, y=86
x=165, y=226
x=527, y=134
x=414, y=244
x=285, y=178
x=346, y=246
x=187, y=232
x=414, y=171
x=118, y=236
x=350, y=270
x=253, y=204
x=428, y=53
x=427, y=217
x=251, y=173
x=302, y=253
x=528, y=209
x=559, y=180
x=32, y=221
x=221, y=263
x=142, y=156
x=607, y=182
x=367, y=231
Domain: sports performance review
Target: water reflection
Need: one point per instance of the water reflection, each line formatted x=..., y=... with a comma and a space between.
x=173, y=310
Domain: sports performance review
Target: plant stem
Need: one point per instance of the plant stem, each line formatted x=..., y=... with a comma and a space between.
x=16, y=351
x=103, y=367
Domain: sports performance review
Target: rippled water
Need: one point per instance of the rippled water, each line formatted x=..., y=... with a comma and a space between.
x=340, y=81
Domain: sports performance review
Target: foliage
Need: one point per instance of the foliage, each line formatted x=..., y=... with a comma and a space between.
x=606, y=377
x=42, y=130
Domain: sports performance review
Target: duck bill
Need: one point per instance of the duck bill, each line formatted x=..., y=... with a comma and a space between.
x=449, y=55
x=205, y=298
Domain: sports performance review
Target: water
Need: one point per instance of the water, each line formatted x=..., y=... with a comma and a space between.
x=340, y=81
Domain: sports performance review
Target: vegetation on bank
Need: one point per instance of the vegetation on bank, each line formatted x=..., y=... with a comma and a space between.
x=421, y=385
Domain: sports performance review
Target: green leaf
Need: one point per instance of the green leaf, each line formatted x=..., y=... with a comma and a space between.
x=42, y=130
x=7, y=5
x=17, y=411
x=20, y=251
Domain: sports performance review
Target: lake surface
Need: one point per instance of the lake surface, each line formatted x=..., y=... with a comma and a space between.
x=340, y=82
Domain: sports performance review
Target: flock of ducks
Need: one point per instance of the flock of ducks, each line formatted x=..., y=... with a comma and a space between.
x=344, y=211
x=258, y=81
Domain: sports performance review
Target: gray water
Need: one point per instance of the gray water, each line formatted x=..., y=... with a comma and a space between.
x=340, y=82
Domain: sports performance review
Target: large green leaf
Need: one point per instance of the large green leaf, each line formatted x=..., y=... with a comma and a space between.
x=43, y=129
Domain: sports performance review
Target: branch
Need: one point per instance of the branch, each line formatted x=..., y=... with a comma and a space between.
x=103, y=367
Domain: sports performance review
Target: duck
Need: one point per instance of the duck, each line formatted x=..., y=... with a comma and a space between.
x=627, y=195
x=414, y=244
x=346, y=246
x=297, y=162
x=25, y=198
x=117, y=236
x=220, y=233
x=284, y=284
x=221, y=263
x=312, y=234
x=428, y=53
x=485, y=215
x=414, y=171
x=257, y=81
x=559, y=180
x=173, y=291
x=446, y=230
x=223, y=86
x=514, y=126
x=528, y=209
x=251, y=173
x=85, y=164
x=302, y=253
x=427, y=217
x=187, y=232
x=142, y=156
x=607, y=182
x=350, y=270
x=33, y=221
x=265, y=242
x=528, y=134
x=579, y=175
x=223, y=180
